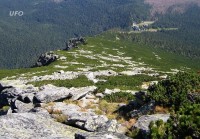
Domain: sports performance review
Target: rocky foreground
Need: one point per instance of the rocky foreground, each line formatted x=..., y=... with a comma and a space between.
x=42, y=113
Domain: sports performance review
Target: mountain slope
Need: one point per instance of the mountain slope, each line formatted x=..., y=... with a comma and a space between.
x=161, y=6
x=46, y=24
x=108, y=87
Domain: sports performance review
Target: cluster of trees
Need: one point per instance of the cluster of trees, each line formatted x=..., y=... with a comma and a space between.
x=46, y=25
x=182, y=94
x=184, y=40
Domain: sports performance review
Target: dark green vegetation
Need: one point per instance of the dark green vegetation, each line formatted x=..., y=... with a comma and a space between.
x=184, y=123
x=124, y=82
x=182, y=93
x=184, y=41
x=183, y=88
x=142, y=52
x=81, y=81
x=46, y=25
x=119, y=97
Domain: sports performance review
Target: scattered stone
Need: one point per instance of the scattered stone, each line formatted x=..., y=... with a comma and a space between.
x=100, y=95
x=109, y=92
x=63, y=58
x=78, y=93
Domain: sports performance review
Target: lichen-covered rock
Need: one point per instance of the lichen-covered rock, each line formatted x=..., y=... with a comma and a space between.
x=32, y=125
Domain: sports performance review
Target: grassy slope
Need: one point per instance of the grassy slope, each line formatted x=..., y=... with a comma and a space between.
x=105, y=44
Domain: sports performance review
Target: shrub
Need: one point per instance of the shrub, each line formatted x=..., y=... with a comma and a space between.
x=119, y=97
x=175, y=91
x=184, y=123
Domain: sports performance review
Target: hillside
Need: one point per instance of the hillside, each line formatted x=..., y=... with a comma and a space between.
x=47, y=24
x=103, y=89
x=162, y=6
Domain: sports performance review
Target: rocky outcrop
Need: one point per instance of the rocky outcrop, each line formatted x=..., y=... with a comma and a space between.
x=51, y=93
x=100, y=135
x=84, y=119
x=34, y=125
x=145, y=120
x=10, y=95
x=74, y=42
x=46, y=59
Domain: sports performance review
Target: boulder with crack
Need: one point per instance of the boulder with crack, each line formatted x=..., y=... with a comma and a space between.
x=50, y=93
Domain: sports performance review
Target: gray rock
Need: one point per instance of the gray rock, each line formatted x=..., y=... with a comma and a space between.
x=100, y=95
x=31, y=125
x=20, y=107
x=100, y=135
x=109, y=126
x=81, y=92
x=27, y=97
x=46, y=59
x=86, y=120
x=50, y=93
x=9, y=95
x=92, y=123
x=74, y=42
x=40, y=110
x=144, y=121
x=2, y=87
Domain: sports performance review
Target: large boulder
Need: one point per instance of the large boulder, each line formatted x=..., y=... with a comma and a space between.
x=145, y=120
x=33, y=125
x=50, y=93
x=46, y=59
x=100, y=135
